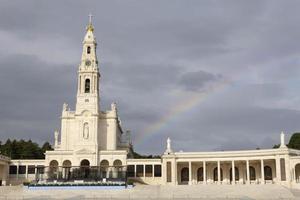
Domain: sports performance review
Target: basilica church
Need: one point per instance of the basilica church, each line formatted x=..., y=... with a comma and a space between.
x=91, y=146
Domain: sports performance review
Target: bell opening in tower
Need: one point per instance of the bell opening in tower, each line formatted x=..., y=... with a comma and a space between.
x=87, y=86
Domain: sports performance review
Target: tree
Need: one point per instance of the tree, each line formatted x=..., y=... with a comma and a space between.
x=46, y=147
x=294, y=142
x=24, y=149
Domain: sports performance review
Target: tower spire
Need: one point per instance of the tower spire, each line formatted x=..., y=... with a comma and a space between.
x=90, y=25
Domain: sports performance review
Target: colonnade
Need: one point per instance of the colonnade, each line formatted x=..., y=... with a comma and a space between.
x=221, y=171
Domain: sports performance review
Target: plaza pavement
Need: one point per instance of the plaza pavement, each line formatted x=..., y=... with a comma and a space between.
x=158, y=192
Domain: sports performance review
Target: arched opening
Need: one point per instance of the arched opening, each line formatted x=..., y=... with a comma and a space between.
x=88, y=50
x=85, y=163
x=252, y=173
x=200, y=174
x=104, y=164
x=67, y=169
x=184, y=175
x=236, y=172
x=53, y=170
x=297, y=172
x=85, y=168
x=117, y=171
x=268, y=173
x=87, y=86
x=117, y=163
x=216, y=174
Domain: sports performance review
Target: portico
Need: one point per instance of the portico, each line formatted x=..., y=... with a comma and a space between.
x=231, y=167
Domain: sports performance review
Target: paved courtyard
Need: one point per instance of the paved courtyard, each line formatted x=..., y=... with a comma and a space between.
x=158, y=192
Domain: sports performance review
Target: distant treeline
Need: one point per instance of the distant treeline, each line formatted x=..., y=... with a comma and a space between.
x=139, y=156
x=21, y=149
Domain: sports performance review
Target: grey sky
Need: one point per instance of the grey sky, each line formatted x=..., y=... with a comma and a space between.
x=209, y=74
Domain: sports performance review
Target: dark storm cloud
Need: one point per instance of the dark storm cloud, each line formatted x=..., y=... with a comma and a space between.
x=29, y=90
x=152, y=56
x=196, y=81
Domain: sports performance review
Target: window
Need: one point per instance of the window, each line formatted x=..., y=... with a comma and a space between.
x=139, y=170
x=87, y=86
x=268, y=173
x=252, y=173
x=31, y=169
x=157, y=170
x=148, y=170
x=22, y=169
x=88, y=50
x=12, y=169
x=40, y=169
x=216, y=174
x=130, y=170
x=200, y=174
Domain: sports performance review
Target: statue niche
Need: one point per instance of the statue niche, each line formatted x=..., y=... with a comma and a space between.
x=86, y=131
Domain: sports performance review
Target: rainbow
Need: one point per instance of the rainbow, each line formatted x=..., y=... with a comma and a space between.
x=190, y=100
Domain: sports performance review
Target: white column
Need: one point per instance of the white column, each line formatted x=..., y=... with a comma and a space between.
x=35, y=172
x=204, y=172
x=17, y=171
x=262, y=172
x=173, y=172
x=278, y=170
x=232, y=172
x=144, y=171
x=176, y=182
x=152, y=171
x=219, y=172
x=247, y=171
x=287, y=169
x=190, y=173
x=26, y=172
x=134, y=171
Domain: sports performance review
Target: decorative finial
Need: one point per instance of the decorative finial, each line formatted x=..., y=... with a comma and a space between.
x=90, y=25
x=169, y=149
x=282, y=142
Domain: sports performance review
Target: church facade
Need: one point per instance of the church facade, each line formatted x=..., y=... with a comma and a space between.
x=92, y=146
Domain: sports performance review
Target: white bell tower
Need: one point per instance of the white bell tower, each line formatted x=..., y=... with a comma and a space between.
x=88, y=74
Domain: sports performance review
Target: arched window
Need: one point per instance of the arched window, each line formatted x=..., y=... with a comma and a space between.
x=200, y=174
x=66, y=171
x=104, y=164
x=53, y=170
x=252, y=173
x=85, y=168
x=268, y=173
x=87, y=86
x=88, y=50
x=185, y=174
x=297, y=172
x=216, y=174
x=117, y=163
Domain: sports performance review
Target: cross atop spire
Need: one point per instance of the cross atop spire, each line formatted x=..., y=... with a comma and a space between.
x=90, y=25
x=90, y=18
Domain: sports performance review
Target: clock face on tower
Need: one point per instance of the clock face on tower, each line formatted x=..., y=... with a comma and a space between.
x=87, y=62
